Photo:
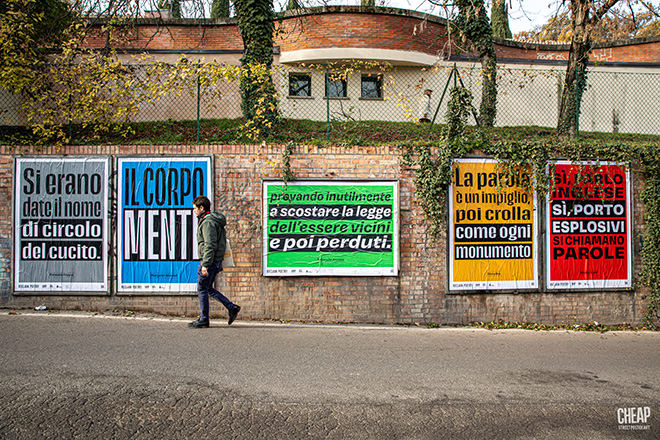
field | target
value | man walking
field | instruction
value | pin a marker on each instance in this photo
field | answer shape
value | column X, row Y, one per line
column 212, row 243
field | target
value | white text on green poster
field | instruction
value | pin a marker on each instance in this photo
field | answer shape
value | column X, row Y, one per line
column 330, row 228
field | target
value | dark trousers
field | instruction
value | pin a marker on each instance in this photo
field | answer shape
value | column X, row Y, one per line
column 205, row 290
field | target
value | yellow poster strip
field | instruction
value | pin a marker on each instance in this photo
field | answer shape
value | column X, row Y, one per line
column 492, row 228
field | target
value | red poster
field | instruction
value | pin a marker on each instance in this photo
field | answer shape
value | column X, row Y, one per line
column 588, row 227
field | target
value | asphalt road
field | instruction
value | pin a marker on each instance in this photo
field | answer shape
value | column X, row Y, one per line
column 85, row 376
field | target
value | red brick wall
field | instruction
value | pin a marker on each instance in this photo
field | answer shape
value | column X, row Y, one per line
column 418, row 294
column 353, row 27
column 631, row 51
column 356, row 30
column 170, row 37
column 362, row 30
column 640, row 53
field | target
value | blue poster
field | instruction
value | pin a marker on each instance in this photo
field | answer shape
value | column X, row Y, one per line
column 156, row 228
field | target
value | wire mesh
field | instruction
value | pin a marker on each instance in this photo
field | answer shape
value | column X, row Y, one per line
column 614, row 102
column 621, row 102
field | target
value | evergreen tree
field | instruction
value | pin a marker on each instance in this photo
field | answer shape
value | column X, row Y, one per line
column 293, row 4
column 499, row 19
column 220, row 9
column 176, row 8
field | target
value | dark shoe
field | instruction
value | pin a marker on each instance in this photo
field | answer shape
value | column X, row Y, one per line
column 199, row 324
column 233, row 313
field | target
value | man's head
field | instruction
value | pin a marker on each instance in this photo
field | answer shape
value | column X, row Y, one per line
column 428, row 92
column 201, row 205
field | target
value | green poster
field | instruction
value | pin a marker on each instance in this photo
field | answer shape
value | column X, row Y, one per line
column 331, row 228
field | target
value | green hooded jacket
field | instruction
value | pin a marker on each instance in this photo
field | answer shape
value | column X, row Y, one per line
column 211, row 238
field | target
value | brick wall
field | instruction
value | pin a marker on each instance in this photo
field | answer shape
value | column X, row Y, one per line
column 418, row 294
column 352, row 27
column 362, row 30
column 174, row 36
column 640, row 50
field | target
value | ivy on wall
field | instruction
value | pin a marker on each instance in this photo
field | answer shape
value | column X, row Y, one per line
column 287, row 175
column 473, row 26
column 650, row 276
column 431, row 165
column 259, row 100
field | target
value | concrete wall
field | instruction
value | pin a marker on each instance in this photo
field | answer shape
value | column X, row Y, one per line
column 418, row 294
column 621, row 99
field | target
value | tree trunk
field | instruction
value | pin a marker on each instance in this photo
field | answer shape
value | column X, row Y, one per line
column 472, row 22
column 488, row 107
column 585, row 14
column 258, row 98
column 220, row 9
column 567, row 125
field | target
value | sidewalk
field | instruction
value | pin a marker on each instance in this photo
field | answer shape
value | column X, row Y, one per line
column 87, row 375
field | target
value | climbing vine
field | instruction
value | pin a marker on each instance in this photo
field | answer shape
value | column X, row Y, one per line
column 650, row 275
column 433, row 175
column 473, row 26
column 259, row 99
column 458, row 111
column 287, row 174
column 431, row 165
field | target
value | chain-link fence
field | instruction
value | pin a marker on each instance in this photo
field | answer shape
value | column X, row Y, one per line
column 613, row 102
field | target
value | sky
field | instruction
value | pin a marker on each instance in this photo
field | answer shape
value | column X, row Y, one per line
column 523, row 14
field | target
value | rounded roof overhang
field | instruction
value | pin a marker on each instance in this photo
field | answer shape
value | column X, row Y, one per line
column 346, row 54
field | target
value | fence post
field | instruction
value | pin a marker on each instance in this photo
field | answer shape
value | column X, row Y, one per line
column 442, row 97
column 327, row 99
column 454, row 74
column 198, row 99
column 578, row 100
column 70, row 101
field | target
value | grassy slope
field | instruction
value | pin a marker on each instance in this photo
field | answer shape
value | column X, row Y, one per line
column 225, row 131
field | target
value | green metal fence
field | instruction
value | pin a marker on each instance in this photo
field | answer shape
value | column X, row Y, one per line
column 615, row 100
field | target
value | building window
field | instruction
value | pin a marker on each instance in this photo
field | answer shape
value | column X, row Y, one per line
column 335, row 88
column 372, row 86
column 300, row 84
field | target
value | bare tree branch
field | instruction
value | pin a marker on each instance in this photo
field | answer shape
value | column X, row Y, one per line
column 600, row 12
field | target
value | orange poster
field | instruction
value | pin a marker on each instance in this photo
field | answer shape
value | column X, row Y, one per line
column 492, row 228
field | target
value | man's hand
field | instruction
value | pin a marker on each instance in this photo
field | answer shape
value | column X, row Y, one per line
column 205, row 271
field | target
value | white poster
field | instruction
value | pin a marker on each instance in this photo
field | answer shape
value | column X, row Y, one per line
column 61, row 225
